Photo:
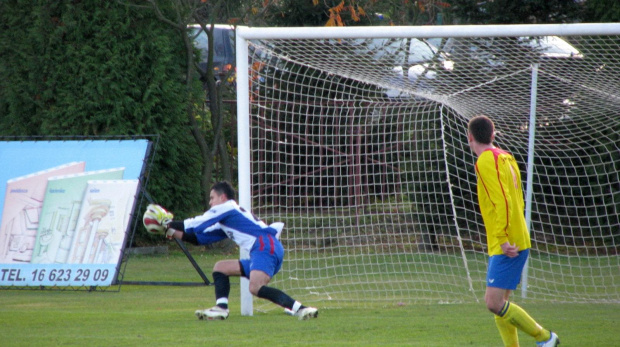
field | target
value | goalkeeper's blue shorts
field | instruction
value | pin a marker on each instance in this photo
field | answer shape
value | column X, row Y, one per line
column 504, row 272
column 266, row 256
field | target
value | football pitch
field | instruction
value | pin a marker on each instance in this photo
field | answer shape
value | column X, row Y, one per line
column 147, row 315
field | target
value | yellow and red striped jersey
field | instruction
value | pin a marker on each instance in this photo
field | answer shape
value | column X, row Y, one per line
column 501, row 200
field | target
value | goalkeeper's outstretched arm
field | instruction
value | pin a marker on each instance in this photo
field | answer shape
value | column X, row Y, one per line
column 158, row 220
column 176, row 229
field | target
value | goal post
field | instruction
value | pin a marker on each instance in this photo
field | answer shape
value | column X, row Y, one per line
column 355, row 138
column 244, row 161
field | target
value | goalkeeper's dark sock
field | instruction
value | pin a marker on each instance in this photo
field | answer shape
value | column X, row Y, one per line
column 276, row 296
column 222, row 289
column 222, row 303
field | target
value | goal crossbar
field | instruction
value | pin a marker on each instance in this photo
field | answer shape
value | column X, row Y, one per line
column 254, row 33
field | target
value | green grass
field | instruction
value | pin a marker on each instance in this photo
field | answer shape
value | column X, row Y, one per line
column 140, row 315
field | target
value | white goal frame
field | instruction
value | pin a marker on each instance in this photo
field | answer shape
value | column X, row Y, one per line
column 245, row 34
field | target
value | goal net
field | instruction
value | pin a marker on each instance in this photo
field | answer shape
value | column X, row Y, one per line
column 356, row 138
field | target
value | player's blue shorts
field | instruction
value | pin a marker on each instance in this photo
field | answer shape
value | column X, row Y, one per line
column 266, row 256
column 505, row 272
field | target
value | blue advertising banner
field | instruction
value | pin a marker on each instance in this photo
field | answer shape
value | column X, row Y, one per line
column 66, row 210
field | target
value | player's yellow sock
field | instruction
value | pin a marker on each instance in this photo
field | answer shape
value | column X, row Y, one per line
column 507, row 331
column 517, row 316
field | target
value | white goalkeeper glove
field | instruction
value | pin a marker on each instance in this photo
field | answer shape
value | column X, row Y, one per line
column 156, row 220
column 170, row 233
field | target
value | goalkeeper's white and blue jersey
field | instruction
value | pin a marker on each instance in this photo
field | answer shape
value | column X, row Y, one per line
column 232, row 221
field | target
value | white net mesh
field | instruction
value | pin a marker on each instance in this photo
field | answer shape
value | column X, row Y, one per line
column 359, row 146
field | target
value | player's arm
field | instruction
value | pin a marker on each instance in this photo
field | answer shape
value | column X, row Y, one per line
column 209, row 221
column 158, row 220
column 510, row 250
column 179, row 225
column 177, row 230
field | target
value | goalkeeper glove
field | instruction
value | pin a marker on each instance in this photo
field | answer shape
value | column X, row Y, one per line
column 170, row 233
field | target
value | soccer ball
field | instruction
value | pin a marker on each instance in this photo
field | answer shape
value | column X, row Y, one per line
column 151, row 224
column 156, row 218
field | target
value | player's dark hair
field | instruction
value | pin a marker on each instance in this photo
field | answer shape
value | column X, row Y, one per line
column 224, row 187
column 482, row 129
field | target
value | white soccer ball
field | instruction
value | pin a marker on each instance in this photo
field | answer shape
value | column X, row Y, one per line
column 151, row 224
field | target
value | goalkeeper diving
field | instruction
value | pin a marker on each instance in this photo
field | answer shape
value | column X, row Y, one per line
column 226, row 219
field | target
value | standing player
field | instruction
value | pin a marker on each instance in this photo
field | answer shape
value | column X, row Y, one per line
column 508, row 240
column 227, row 219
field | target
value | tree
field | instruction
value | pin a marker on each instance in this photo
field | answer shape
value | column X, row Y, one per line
column 97, row 69
column 514, row 11
column 208, row 134
column 602, row 11
column 88, row 69
column 354, row 12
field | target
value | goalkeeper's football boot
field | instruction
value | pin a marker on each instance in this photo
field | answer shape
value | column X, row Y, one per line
column 307, row 313
column 213, row 313
column 553, row 341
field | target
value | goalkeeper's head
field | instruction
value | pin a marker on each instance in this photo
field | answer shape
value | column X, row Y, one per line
column 221, row 192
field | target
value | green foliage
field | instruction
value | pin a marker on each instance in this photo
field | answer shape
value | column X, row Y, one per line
column 602, row 11
column 300, row 13
column 515, row 11
column 353, row 13
column 95, row 68
column 20, row 64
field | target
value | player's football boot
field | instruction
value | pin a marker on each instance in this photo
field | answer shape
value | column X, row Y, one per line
column 307, row 313
column 213, row 313
column 553, row 341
